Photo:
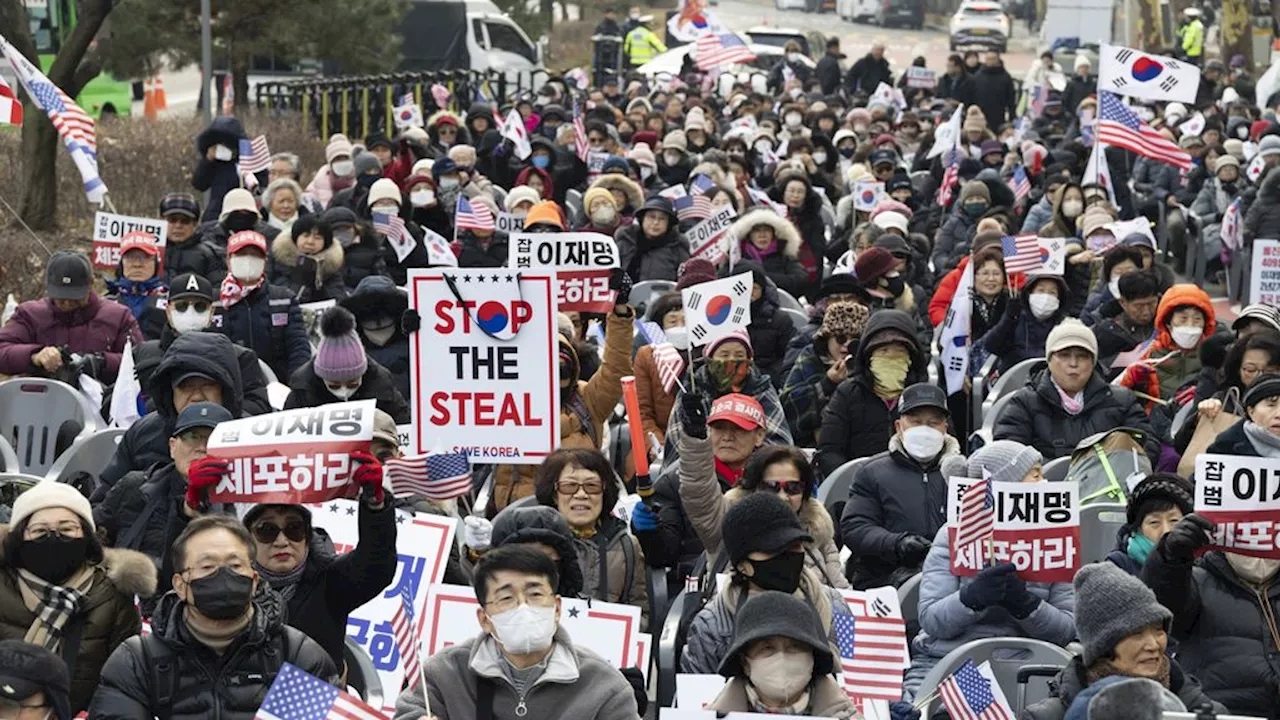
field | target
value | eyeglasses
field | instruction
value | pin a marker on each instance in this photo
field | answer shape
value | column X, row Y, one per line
column 15, row 709
column 510, row 600
column 66, row 530
column 569, row 488
column 200, row 306
column 268, row 532
column 790, row 487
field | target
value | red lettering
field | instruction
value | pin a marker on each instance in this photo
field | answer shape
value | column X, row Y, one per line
column 484, row 409
column 521, row 313
column 440, row 414
column 515, row 410
column 446, row 320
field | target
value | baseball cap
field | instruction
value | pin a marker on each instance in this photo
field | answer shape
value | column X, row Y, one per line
column 201, row 415
column 139, row 240
column 741, row 410
column 27, row 669
column 384, row 428
column 191, row 285
column 67, row 277
column 884, row 157
column 244, row 239
column 923, row 395
column 190, row 375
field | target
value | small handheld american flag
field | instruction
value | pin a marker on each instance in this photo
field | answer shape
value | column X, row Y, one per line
column 580, row 133
column 1021, row 184
column 473, row 217
column 1117, row 125
column 255, row 156
column 1021, row 253
column 949, row 177
column 970, row 695
column 669, row 362
column 439, row 476
column 406, row 634
column 297, row 695
column 976, row 519
column 724, row 49
column 873, row 649
column 391, row 227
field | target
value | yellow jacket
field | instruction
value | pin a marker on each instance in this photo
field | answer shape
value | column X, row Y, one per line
column 1192, row 36
column 641, row 45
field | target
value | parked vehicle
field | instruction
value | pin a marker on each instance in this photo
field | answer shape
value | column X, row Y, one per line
column 981, row 23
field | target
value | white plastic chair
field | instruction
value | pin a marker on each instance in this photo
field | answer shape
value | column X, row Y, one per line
column 7, row 456
column 1006, row 655
column 89, row 453
column 361, row 674
column 1099, row 525
column 834, row 491
column 787, row 301
column 31, row 412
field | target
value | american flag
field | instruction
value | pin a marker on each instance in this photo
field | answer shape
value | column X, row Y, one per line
column 439, row 476
column 10, row 108
column 296, row 695
column 970, row 695
column 406, row 637
column 391, row 226
column 670, row 364
column 580, row 132
column 74, row 126
column 407, row 99
column 473, row 217
column 255, row 156
column 228, row 94
column 650, row 331
column 872, row 652
column 949, row 177
column 1118, row 126
column 976, row 519
column 1021, row 185
column 1021, row 253
column 724, row 49
column 699, row 186
column 692, row 207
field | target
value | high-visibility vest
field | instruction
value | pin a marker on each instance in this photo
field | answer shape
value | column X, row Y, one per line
column 642, row 45
column 1192, row 35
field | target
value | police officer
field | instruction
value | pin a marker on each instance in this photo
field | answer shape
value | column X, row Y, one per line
column 642, row 44
column 1191, row 36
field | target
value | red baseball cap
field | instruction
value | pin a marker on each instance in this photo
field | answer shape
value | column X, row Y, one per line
column 244, row 239
column 139, row 240
column 741, row 410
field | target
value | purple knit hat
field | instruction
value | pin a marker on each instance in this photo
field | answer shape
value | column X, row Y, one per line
column 341, row 354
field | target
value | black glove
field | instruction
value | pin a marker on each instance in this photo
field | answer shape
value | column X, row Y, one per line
column 636, row 679
column 694, row 414
column 305, row 271
column 619, row 280
column 899, row 710
column 410, row 321
column 91, row 364
column 912, row 549
column 1018, row 600
column 988, row 588
column 1189, row 535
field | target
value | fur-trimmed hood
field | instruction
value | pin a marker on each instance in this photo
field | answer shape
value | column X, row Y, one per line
column 813, row 516
column 716, row 173
column 131, row 572
column 786, row 233
column 625, row 185
column 285, row 251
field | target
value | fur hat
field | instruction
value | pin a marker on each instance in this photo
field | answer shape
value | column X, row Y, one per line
column 843, row 319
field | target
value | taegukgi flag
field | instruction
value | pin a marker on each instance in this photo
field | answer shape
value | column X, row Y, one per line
column 717, row 308
column 1125, row 71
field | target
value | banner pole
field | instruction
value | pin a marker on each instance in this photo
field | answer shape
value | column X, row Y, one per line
column 25, row 226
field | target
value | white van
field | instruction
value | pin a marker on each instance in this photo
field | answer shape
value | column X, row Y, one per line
column 471, row 35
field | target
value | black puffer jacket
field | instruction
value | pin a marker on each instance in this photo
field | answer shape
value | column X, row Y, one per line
column 219, row 177
column 306, row 389
column 1034, row 416
column 646, row 259
column 269, row 321
column 1263, row 218
column 771, row 329
column 1071, row 682
column 856, row 422
column 195, row 255
column 541, row 524
column 202, row 683
column 364, row 257
column 378, row 299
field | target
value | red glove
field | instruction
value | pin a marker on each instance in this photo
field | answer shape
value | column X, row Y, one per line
column 1185, row 395
column 368, row 475
column 202, row 476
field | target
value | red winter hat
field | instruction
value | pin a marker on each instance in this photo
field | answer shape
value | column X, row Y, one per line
column 139, row 240
column 871, row 265
column 693, row 271
column 244, row 239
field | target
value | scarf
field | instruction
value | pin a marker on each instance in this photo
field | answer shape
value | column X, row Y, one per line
column 1073, row 404
column 1267, row 445
column 750, row 250
column 1102, row 668
column 285, row 584
column 233, row 291
column 216, row 634
column 133, row 294
column 1139, row 548
column 731, row 476
column 53, row 605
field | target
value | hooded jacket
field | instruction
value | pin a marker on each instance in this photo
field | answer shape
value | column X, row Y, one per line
column 101, row 326
column 306, row 389
column 1035, row 417
column 651, row 259
column 628, row 187
column 312, row 278
column 204, row 684
column 779, row 261
column 1176, row 366
column 856, row 422
column 105, row 617
column 382, row 299
column 253, row 382
column 771, row 328
column 218, row 177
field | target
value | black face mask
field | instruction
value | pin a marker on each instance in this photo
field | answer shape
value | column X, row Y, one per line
column 53, row 558
column 224, row 595
column 367, row 180
column 781, row 572
column 237, row 221
column 847, row 151
column 895, row 285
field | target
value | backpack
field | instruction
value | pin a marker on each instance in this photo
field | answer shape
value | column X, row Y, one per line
column 163, row 666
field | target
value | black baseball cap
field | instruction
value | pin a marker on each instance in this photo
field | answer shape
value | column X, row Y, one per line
column 68, row 277
column 923, row 395
column 201, row 415
column 191, row 285
column 884, row 157
column 27, row 669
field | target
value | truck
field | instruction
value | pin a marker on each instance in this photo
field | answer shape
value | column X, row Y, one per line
column 468, row 35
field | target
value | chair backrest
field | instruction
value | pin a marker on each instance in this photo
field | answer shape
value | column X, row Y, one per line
column 798, row 317
column 1099, row 525
column 32, row 414
column 834, row 491
column 618, row 445
column 1056, row 470
column 361, row 674
column 7, row 456
column 89, row 453
column 787, row 301
column 1006, row 655
column 669, row 652
column 909, row 600
column 267, row 372
column 989, row 418
column 1010, row 381
column 643, row 293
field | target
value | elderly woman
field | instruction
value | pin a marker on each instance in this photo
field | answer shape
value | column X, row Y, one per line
column 281, row 202
column 820, row 368
column 1156, row 505
column 1251, row 356
column 308, row 261
column 652, row 248
column 60, row 590
column 602, row 212
column 996, row 602
column 582, row 486
column 780, row 662
column 772, row 241
column 1125, row 633
column 341, row 371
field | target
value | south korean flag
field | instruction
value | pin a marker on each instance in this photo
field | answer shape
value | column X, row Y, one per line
column 715, row 309
column 1125, row 71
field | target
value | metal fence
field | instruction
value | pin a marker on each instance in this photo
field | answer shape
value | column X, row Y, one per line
column 363, row 104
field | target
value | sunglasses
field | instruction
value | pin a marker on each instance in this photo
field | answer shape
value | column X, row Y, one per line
column 790, row 487
column 200, row 306
column 267, row 533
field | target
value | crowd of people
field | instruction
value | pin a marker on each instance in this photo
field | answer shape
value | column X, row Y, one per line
column 1123, row 361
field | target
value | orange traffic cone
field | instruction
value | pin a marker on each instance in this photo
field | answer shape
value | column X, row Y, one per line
column 148, row 101
column 157, row 84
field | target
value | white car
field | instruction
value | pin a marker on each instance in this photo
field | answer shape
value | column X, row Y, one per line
column 982, row 23
column 791, row 4
column 670, row 62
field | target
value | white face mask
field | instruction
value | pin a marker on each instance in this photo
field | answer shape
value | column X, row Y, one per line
column 1114, row 288
column 603, row 216
column 646, row 172
column 380, row 336
column 793, row 57
column 819, row 157
column 679, row 337
column 448, row 183
column 1072, row 208
column 1253, row 570
column 1043, row 305
column 421, row 198
column 763, row 146
column 922, row 442
column 781, row 676
column 343, row 168
column 247, row 268
column 343, row 392
column 1186, row 337
column 223, row 153
column 525, row 629
column 793, row 119
column 671, row 158
column 389, row 208
column 191, row 320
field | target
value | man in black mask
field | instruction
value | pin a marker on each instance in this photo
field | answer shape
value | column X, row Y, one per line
column 215, row 617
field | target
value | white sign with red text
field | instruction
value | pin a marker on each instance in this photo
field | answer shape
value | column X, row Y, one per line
column 1037, row 528
column 710, row 238
column 1241, row 495
column 583, row 262
column 109, row 228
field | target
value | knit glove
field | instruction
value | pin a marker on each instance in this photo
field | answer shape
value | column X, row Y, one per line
column 694, row 414
column 202, row 476
column 477, row 533
column 912, row 549
column 1189, row 535
column 620, row 281
column 988, row 588
column 643, row 519
column 368, row 476
column 1018, row 600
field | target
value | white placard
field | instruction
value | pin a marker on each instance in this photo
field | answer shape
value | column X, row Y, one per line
column 710, row 238
column 695, row 691
column 1264, row 283
column 109, row 228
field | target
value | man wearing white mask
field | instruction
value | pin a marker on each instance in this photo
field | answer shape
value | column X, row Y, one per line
column 341, row 371
column 898, row 499
column 523, row 664
column 259, row 316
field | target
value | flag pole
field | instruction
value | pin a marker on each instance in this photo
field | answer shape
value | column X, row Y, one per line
column 106, row 200
column 25, row 226
column 422, row 676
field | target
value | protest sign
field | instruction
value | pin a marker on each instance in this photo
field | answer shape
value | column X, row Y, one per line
column 1241, row 495
column 508, row 223
column 1264, row 282
column 611, row 630
column 583, row 262
column 918, row 77
column 673, row 193
column 695, row 691
column 1037, row 528
column 292, row 456
column 486, row 378
column 109, row 228
column 423, row 543
column 710, row 238
column 866, row 193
